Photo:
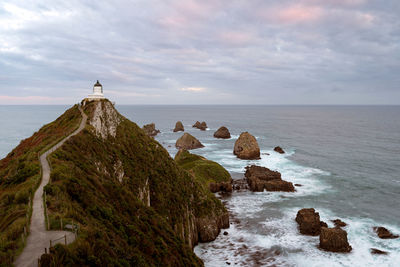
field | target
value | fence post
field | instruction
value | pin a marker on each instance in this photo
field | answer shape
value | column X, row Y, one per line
column 65, row 237
column 50, row 243
column 61, row 224
column 45, row 250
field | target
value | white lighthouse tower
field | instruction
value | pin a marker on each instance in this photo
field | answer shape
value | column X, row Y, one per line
column 97, row 92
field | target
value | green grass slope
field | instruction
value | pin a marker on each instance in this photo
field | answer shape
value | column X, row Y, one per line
column 20, row 175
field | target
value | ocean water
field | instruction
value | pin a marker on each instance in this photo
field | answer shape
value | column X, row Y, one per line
column 346, row 157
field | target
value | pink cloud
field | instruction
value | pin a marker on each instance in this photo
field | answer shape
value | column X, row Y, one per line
column 291, row 14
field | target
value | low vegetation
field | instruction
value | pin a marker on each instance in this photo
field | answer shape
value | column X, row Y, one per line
column 20, row 174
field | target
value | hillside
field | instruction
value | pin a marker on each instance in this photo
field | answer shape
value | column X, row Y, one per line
column 133, row 204
column 19, row 178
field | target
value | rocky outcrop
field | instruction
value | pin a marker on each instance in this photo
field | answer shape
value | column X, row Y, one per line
column 309, row 222
column 150, row 129
column 240, row 184
column 225, row 187
column 188, row 141
column 334, row 240
column 339, row 223
column 384, row 233
column 209, row 227
column 279, row 150
column 246, row 147
column 223, row 133
column 202, row 126
column 179, row 127
column 260, row 178
column 105, row 119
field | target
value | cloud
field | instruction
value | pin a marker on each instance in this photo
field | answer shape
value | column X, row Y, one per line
column 151, row 51
column 193, row 89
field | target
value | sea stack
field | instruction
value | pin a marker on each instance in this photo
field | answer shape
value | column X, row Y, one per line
column 179, row 127
column 188, row 141
column 246, row 147
column 150, row 129
column 222, row 133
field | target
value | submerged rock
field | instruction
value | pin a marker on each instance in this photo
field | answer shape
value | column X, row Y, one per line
column 334, row 240
column 309, row 222
column 179, row 127
column 188, row 141
column 260, row 178
column 384, row 233
column 223, row 133
column 279, row 150
column 376, row 251
column 246, row 147
column 150, row 129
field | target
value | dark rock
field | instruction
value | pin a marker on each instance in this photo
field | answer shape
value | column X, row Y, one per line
column 279, row 150
column 222, row 132
column 298, row 185
column 384, row 233
column 202, row 126
column 150, row 129
column 246, row 147
column 334, row 240
column 225, row 233
column 376, row 251
column 210, row 226
column 309, row 222
column 220, row 187
column 260, row 178
column 179, row 127
column 339, row 223
column 188, row 141
column 279, row 185
column 323, row 224
column 240, row 184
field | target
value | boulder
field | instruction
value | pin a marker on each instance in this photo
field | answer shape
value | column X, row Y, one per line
column 279, row 150
column 376, row 251
column 334, row 240
column 188, row 141
column 246, row 147
column 339, row 223
column 179, row 127
column 260, row 178
column 202, row 126
column 309, row 222
column 323, row 224
column 196, row 125
column 223, row 133
column 384, row 233
column 150, row 129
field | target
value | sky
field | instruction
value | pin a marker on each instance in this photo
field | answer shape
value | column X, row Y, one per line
column 201, row 51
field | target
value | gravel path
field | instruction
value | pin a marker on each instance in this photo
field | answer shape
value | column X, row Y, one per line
column 39, row 238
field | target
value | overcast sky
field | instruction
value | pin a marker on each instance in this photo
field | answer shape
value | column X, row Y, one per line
column 201, row 51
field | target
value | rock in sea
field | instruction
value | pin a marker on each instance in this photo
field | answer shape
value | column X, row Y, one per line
column 179, row 127
column 188, row 141
column 223, row 133
column 246, row 147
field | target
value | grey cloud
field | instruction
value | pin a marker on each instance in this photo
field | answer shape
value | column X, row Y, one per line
column 263, row 52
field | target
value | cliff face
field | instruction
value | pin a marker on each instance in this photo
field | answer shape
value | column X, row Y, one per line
column 133, row 204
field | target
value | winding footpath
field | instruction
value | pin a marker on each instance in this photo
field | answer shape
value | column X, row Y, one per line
column 39, row 238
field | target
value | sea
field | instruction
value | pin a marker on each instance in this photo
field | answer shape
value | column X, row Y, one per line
column 347, row 159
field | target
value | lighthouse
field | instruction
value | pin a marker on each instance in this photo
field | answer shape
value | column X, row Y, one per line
column 97, row 92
